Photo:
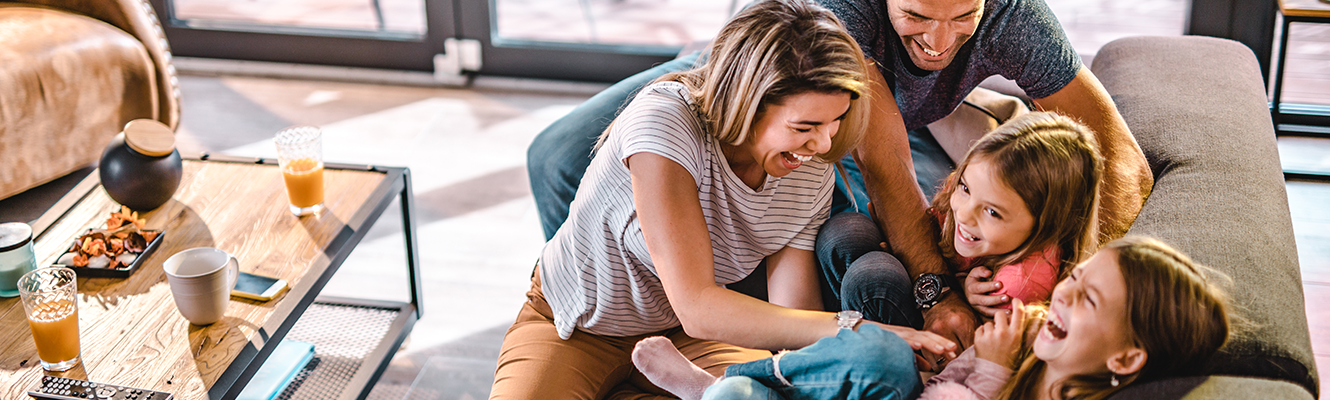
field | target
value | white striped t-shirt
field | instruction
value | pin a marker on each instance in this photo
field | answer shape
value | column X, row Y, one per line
column 596, row 272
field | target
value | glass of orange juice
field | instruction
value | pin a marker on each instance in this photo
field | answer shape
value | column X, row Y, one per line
column 52, row 309
column 300, row 155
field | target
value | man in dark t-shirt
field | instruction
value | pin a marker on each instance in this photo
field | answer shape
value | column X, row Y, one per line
column 1016, row 39
column 929, row 55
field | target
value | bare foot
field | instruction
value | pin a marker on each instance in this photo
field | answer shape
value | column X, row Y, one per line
column 666, row 367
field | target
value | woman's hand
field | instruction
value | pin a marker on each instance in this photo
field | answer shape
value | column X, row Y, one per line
column 978, row 289
column 1000, row 339
column 925, row 341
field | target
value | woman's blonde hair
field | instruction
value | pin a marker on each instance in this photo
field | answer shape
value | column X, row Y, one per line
column 772, row 50
column 1175, row 312
column 1053, row 163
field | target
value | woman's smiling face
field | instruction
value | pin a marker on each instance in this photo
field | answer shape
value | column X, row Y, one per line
column 788, row 134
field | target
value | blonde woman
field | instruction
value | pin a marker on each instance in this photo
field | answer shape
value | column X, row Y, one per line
column 705, row 174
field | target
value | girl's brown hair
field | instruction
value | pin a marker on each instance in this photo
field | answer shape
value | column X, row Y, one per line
column 771, row 50
column 1175, row 312
column 1053, row 164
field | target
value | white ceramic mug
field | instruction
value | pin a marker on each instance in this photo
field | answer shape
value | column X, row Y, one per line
column 201, row 280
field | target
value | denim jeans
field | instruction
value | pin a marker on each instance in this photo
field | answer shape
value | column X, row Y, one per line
column 560, row 154
column 858, row 274
column 870, row 363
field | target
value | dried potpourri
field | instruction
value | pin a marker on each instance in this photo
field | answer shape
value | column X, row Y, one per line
column 115, row 247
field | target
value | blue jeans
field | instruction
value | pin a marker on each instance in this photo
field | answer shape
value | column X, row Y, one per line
column 858, row 274
column 560, row 154
column 870, row 363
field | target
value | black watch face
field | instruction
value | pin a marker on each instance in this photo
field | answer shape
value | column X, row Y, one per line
column 928, row 288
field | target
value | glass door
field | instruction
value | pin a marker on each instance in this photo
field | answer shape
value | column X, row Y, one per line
column 389, row 34
column 582, row 40
column 587, row 40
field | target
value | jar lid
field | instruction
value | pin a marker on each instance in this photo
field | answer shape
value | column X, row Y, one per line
column 14, row 235
column 149, row 137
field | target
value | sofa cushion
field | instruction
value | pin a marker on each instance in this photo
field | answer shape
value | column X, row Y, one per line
column 1198, row 108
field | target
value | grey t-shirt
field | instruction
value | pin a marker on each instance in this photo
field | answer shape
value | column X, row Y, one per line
column 1020, row 40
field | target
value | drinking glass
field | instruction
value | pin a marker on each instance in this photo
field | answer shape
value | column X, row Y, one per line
column 52, row 308
column 300, row 155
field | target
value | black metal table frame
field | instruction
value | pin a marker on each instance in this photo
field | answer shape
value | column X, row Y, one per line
column 287, row 313
column 1297, row 119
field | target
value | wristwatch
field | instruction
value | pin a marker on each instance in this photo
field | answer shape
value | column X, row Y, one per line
column 929, row 289
column 848, row 319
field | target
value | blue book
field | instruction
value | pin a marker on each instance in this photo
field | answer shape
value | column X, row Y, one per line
column 278, row 371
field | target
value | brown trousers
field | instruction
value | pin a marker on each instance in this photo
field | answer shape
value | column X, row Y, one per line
column 535, row 363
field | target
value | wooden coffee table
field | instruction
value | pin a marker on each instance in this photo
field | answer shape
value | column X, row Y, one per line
column 132, row 334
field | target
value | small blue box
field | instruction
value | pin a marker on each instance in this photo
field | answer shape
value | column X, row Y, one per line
column 278, row 371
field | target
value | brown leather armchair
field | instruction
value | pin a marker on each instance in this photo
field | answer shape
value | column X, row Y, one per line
column 72, row 73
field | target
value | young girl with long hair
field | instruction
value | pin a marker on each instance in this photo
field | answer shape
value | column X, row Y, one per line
column 1023, row 203
column 1137, row 310
column 1044, row 162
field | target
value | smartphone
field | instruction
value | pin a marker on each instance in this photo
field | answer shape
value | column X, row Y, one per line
column 258, row 287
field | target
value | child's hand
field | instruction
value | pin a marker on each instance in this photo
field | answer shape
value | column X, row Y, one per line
column 999, row 340
column 978, row 288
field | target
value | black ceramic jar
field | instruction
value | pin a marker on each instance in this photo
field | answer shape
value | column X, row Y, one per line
column 141, row 168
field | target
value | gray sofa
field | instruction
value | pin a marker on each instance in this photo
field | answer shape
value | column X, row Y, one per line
column 1198, row 108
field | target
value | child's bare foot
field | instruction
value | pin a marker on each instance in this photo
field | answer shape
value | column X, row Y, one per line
column 666, row 367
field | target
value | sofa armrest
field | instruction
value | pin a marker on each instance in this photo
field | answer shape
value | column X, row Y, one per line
column 1198, row 108
column 1214, row 387
column 137, row 18
column 70, row 83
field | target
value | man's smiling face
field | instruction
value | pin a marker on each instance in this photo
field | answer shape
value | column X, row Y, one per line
column 933, row 30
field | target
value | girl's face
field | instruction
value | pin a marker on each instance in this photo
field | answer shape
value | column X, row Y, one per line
column 991, row 219
column 1087, row 319
column 787, row 135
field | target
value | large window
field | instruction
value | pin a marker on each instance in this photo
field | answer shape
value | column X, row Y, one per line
column 349, row 17
column 645, row 23
column 1092, row 23
column 388, row 34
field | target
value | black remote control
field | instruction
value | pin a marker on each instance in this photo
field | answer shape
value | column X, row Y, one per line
column 57, row 388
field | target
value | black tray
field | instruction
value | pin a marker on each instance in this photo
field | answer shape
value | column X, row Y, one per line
column 116, row 273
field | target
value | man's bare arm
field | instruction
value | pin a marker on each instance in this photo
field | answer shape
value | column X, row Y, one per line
column 899, row 206
column 1127, row 178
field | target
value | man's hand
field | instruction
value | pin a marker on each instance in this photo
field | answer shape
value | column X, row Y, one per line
column 978, row 289
column 952, row 319
column 999, row 341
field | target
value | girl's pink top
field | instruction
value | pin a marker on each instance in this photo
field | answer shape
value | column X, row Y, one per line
column 1032, row 279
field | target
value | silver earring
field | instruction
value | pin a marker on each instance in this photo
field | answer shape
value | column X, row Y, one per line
column 1114, row 380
